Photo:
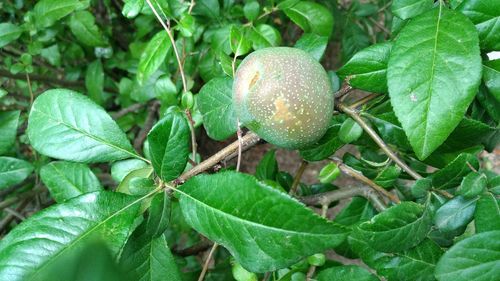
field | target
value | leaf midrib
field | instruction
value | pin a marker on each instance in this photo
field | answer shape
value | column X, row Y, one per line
column 243, row 221
column 88, row 134
column 85, row 234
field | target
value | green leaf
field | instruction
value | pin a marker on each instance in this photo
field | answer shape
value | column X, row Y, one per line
column 350, row 131
column 251, row 10
column 358, row 210
column 132, row 8
column 215, row 102
column 472, row 185
column 153, row 56
column 455, row 214
column 491, row 77
column 264, row 229
column 327, row 145
column 345, row 273
column 47, row 12
column 398, row 228
column 474, row 258
column 59, row 231
column 368, row 68
column 207, row 8
column 314, row 44
column 263, row 36
column 238, row 41
column 66, row 125
column 146, row 258
column 120, row 169
column 311, row 17
column 485, row 14
column 169, row 142
column 8, row 33
column 94, row 81
column 451, row 175
column 487, row 214
column 82, row 24
column 267, row 168
column 329, row 173
column 66, row 180
column 417, row 263
column 158, row 217
column 431, row 84
column 406, row 9
column 13, row 171
column 387, row 176
column 186, row 25
column 124, row 186
column 8, row 129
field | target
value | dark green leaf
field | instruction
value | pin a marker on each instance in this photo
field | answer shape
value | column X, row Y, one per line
column 406, row 9
column 82, row 24
column 8, row 33
column 314, row 44
column 267, row 167
column 368, row 68
column 66, row 180
column 451, row 175
column 8, row 129
column 251, row 10
column 387, row 176
column 207, row 8
column 491, row 77
column 487, row 215
column 153, row 56
column 169, row 142
column 485, row 14
column 132, row 8
column 264, row 229
column 13, row 171
column 66, row 125
column 327, row 145
column 59, row 231
column 94, row 81
column 455, row 214
column 398, row 228
column 472, row 185
column 423, row 74
column 345, row 273
column 215, row 102
column 358, row 210
column 158, row 217
column 47, row 12
column 474, row 258
column 354, row 39
column 311, row 17
column 417, row 263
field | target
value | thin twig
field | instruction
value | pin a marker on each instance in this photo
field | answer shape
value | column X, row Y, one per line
column 207, row 262
column 32, row 97
column 247, row 140
column 124, row 111
column 172, row 41
column 193, row 250
column 148, row 124
column 326, row 198
column 12, row 200
column 354, row 114
column 193, row 133
column 383, row 28
column 191, row 6
column 10, row 217
column 363, row 100
column 239, row 134
column 359, row 176
column 471, row 167
column 298, row 176
column 344, row 90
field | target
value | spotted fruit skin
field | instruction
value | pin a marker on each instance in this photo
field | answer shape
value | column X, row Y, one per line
column 284, row 96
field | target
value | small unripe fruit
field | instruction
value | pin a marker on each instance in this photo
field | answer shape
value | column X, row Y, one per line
column 284, row 96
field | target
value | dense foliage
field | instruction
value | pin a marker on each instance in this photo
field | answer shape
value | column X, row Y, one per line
column 104, row 104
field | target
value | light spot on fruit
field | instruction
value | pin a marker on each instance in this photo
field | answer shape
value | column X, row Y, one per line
column 254, row 80
column 282, row 112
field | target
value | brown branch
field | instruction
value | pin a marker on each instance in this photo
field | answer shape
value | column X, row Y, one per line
column 207, row 262
column 327, row 198
column 10, row 217
column 247, row 140
column 124, row 111
column 148, row 124
column 344, row 90
column 193, row 250
column 298, row 176
column 13, row 200
column 354, row 114
column 359, row 176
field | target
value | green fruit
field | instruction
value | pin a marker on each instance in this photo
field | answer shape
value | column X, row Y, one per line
column 284, row 96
